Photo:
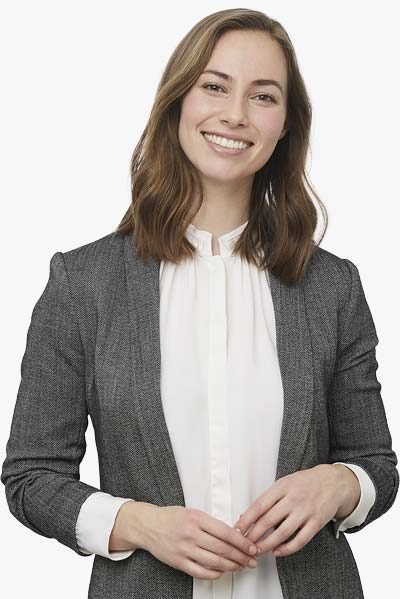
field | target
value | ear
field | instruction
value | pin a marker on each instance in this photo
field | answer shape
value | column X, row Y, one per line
column 285, row 129
column 283, row 133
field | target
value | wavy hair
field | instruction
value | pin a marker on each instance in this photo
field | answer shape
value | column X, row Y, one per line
column 282, row 216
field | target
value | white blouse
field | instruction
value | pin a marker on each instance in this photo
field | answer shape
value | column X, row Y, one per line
column 222, row 398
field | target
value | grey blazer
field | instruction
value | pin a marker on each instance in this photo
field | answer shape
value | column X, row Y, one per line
column 93, row 348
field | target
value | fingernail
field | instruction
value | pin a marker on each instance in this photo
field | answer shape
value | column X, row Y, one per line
column 253, row 549
column 238, row 529
column 253, row 563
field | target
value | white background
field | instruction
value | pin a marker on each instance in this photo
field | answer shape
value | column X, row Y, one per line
column 78, row 81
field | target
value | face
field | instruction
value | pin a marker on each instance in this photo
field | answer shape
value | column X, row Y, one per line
column 237, row 107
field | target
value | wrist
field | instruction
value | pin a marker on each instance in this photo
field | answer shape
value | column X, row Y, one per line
column 349, row 490
column 129, row 526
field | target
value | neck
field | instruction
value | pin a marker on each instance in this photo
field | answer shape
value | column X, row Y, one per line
column 224, row 208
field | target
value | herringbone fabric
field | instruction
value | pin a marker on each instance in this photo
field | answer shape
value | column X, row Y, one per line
column 93, row 350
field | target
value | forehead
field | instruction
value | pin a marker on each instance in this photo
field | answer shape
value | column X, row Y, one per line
column 249, row 55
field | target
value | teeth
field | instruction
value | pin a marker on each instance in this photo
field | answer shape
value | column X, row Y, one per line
column 227, row 143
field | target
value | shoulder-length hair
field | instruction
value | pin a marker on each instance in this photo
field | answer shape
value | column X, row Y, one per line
column 282, row 216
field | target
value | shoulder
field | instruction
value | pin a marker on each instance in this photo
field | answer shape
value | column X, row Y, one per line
column 329, row 264
column 96, row 265
column 95, row 254
column 330, row 276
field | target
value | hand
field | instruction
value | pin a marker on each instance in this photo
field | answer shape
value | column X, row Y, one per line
column 193, row 541
column 304, row 500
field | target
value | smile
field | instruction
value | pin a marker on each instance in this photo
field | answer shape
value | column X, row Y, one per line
column 225, row 142
column 225, row 147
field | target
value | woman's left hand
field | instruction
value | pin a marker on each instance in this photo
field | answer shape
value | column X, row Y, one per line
column 306, row 499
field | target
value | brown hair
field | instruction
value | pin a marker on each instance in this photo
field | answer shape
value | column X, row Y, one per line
column 282, row 216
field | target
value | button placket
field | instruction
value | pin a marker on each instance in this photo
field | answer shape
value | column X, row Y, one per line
column 220, row 468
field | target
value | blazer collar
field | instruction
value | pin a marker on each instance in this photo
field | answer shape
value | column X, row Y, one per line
column 294, row 355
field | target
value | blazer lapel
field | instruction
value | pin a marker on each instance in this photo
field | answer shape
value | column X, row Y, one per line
column 296, row 366
column 143, row 297
column 294, row 355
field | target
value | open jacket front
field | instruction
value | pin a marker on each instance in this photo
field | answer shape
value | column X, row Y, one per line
column 103, row 302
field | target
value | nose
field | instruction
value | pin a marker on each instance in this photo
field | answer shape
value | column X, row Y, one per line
column 234, row 112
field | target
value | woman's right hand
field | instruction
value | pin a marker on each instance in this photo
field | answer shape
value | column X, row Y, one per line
column 193, row 541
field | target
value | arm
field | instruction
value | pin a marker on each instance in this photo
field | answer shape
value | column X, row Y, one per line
column 47, row 437
column 95, row 524
column 358, row 485
column 359, row 432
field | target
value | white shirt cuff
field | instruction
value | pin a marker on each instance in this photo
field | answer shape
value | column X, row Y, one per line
column 367, row 500
column 95, row 522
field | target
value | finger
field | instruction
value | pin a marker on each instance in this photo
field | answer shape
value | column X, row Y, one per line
column 259, row 507
column 197, row 571
column 272, row 518
column 288, row 527
column 218, row 528
column 303, row 537
column 219, row 547
column 215, row 561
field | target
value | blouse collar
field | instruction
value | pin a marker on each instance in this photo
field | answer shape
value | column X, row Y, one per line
column 201, row 239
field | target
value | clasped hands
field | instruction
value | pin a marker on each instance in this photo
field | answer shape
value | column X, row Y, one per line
column 303, row 501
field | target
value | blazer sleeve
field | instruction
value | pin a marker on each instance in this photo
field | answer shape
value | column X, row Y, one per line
column 359, row 432
column 366, row 501
column 95, row 524
column 47, row 436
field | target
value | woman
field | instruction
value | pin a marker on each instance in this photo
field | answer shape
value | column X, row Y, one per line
column 226, row 360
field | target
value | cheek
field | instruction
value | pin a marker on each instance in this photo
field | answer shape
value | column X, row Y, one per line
column 195, row 109
column 271, row 127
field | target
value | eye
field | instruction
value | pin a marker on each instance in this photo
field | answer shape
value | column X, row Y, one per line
column 267, row 96
column 207, row 85
column 271, row 98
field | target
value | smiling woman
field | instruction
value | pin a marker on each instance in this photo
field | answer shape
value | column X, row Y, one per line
column 233, row 80
column 226, row 360
column 249, row 62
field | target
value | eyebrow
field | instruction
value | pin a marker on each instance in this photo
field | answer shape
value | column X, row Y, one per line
column 255, row 82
